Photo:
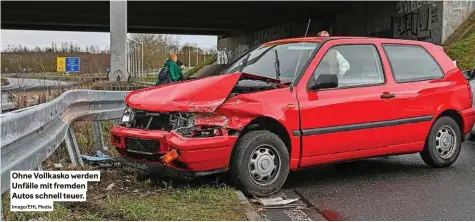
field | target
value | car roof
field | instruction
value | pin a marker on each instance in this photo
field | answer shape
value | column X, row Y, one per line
column 321, row 39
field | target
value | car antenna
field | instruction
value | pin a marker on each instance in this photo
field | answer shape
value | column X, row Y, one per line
column 300, row 55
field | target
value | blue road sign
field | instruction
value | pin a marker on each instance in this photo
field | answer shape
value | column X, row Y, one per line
column 72, row 64
column 108, row 69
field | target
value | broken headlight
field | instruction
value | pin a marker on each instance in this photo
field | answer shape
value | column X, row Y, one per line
column 199, row 124
column 127, row 116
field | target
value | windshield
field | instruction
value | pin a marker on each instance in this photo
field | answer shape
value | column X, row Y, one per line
column 261, row 61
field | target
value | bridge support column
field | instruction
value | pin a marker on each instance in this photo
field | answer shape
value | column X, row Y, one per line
column 118, row 41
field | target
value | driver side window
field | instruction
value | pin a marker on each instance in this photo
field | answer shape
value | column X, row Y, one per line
column 354, row 65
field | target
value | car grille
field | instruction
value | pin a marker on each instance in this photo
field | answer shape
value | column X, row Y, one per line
column 143, row 146
column 159, row 121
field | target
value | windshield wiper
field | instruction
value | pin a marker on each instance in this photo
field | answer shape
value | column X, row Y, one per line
column 277, row 65
column 244, row 62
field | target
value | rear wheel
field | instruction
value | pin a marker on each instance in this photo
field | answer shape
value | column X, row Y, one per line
column 443, row 144
column 260, row 163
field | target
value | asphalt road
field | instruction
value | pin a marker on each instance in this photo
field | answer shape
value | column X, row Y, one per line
column 392, row 188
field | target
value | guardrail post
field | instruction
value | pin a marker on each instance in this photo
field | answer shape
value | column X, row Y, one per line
column 73, row 148
column 97, row 134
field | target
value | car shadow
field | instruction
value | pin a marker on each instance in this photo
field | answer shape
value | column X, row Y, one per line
column 365, row 169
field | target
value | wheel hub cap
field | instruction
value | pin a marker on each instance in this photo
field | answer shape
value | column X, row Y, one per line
column 264, row 164
column 445, row 142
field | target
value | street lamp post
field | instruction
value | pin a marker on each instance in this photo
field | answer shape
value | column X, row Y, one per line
column 136, row 64
column 197, row 51
column 137, row 60
column 189, row 58
column 142, row 61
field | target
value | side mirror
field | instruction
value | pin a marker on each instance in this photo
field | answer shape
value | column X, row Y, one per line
column 324, row 81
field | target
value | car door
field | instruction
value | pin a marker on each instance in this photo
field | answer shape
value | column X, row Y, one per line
column 336, row 123
column 419, row 91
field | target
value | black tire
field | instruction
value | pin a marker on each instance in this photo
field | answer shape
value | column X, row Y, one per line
column 240, row 167
column 431, row 155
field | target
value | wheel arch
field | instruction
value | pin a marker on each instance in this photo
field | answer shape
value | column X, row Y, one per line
column 455, row 116
column 270, row 124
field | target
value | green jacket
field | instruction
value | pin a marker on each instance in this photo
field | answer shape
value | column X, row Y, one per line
column 174, row 69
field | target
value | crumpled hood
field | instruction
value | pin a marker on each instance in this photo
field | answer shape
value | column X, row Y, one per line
column 201, row 95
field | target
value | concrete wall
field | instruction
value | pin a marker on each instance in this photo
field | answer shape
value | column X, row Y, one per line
column 363, row 19
column 366, row 19
column 241, row 42
column 431, row 21
column 455, row 14
column 419, row 20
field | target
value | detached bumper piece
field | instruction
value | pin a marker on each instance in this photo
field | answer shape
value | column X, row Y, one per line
column 167, row 171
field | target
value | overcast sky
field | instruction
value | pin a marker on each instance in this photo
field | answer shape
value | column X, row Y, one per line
column 31, row 39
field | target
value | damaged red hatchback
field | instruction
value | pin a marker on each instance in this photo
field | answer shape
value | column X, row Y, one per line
column 301, row 102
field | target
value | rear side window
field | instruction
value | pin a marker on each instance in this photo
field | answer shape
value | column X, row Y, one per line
column 412, row 63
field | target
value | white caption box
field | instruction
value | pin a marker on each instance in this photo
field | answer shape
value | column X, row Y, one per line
column 37, row 190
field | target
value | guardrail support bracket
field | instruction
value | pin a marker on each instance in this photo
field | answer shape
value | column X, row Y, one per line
column 97, row 134
column 73, row 148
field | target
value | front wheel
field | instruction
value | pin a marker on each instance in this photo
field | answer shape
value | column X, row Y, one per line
column 443, row 144
column 260, row 163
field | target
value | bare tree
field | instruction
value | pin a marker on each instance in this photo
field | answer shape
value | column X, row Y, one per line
column 156, row 48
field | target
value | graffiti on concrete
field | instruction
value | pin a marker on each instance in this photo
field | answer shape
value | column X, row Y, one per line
column 222, row 57
column 404, row 7
column 455, row 14
column 273, row 33
column 236, row 52
column 235, row 46
column 423, row 24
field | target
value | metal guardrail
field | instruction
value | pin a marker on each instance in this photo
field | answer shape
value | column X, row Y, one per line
column 30, row 135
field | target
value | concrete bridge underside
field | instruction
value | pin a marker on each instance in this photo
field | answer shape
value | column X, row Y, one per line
column 239, row 25
column 175, row 17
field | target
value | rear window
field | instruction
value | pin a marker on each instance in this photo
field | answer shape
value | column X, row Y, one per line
column 412, row 63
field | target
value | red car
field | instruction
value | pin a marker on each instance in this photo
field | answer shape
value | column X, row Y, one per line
column 301, row 102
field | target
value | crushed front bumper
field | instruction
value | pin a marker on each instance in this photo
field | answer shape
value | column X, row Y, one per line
column 167, row 171
column 197, row 156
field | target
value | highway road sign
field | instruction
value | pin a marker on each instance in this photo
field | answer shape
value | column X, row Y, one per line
column 60, row 64
column 72, row 64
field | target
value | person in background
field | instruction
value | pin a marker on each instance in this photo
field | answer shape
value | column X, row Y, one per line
column 323, row 34
column 173, row 71
column 335, row 58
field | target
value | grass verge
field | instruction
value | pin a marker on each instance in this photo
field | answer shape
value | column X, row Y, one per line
column 463, row 51
column 131, row 199
column 208, row 61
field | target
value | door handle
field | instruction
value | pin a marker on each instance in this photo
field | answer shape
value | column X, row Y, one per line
column 387, row 95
